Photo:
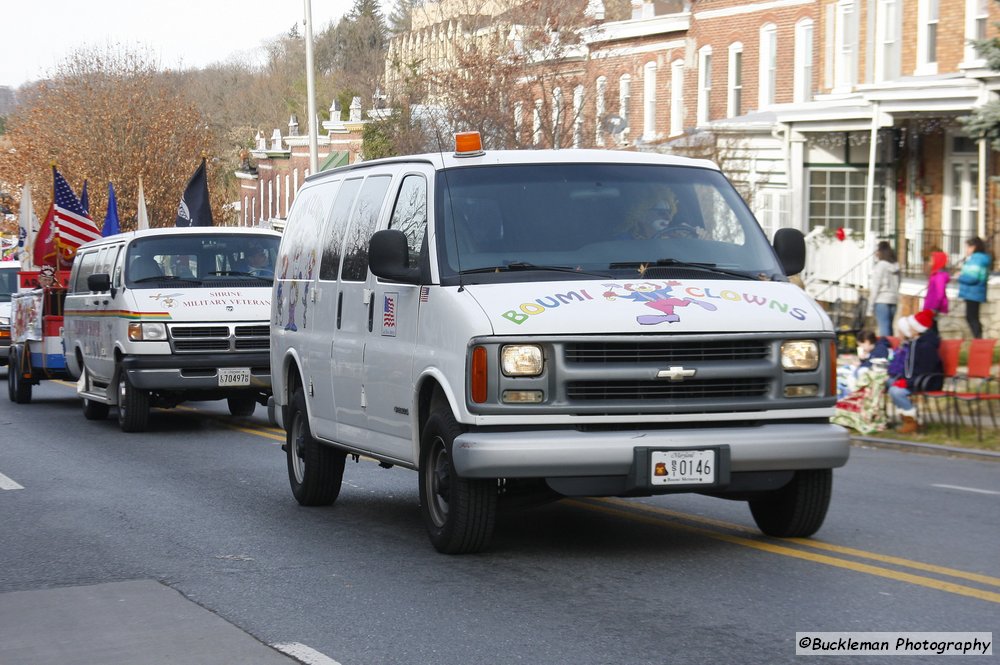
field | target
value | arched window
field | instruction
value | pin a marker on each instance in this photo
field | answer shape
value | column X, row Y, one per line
column 768, row 66
column 649, row 101
column 676, row 97
column 802, row 82
column 602, row 90
column 624, row 103
column 704, row 84
column 734, row 101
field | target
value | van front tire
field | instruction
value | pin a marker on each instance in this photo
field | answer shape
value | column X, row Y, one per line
column 459, row 512
column 798, row 509
column 133, row 405
column 315, row 471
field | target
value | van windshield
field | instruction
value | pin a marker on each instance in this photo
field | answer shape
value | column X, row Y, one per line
column 8, row 283
column 208, row 260
column 548, row 221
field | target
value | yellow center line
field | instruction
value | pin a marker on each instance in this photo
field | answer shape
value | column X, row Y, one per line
column 950, row 587
column 816, row 544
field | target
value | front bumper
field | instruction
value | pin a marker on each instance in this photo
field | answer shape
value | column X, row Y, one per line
column 571, row 453
column 196, row 372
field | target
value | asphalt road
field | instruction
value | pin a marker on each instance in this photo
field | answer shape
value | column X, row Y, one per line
column 200, row 504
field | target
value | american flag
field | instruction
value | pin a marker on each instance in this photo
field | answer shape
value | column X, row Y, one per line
column 74, row 226
column 389, row 311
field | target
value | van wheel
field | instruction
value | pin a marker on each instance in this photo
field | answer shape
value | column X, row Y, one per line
column 242, row 406
column 92, row 410
column 798, row 509
column 18, row 389
column 315, row 470
column 133, row 405
column 459, row 512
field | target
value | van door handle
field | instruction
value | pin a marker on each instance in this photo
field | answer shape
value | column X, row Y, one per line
column 340, row 307
column 371, row 313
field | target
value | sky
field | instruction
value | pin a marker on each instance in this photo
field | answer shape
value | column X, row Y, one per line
column 37, row 35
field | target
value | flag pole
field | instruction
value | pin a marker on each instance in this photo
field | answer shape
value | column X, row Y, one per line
column 311, row 92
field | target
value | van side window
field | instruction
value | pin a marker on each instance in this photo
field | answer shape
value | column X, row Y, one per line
column 339, row 216
column 300, row 237
column 363, row 221
column 410, row 214
column 88, row 262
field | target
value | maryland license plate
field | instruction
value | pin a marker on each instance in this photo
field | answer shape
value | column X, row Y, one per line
column 234, row 376
column 683, row 467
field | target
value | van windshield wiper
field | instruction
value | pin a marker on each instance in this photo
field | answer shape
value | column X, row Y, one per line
column 697, row 265
column 522, row 265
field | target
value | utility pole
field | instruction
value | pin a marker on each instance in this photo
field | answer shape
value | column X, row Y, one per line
column 311, row 92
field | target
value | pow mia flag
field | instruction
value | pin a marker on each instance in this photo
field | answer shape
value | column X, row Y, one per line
column 194, row 209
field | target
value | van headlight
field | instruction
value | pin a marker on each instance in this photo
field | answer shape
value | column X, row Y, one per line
column 800, row 355
column 521, row 360
column 147, row 332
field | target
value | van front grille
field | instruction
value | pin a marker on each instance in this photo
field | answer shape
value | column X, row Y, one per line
column 651, row 391
column 216, row 338
column 665, row 351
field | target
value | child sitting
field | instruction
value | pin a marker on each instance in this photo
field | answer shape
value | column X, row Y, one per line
column 871, row 347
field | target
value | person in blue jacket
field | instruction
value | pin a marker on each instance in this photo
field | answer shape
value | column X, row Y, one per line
column 972, row 282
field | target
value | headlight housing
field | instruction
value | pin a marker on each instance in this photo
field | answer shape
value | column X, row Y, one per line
column 147, row 332
column 800, row 355
column 521, row 360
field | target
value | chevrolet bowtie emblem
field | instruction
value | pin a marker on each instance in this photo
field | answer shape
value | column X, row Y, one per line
column 675, row 373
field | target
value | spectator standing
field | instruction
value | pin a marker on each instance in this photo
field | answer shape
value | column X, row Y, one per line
column 972, row 282
column 884, row 292
column 916, row 365
column 936, row 299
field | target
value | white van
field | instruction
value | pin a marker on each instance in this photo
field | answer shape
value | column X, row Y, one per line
column 8, row 287
column 515, row 325
column 158, row 317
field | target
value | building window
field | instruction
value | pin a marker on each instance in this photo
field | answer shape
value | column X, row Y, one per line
column 602, row 91
column 624, row 103
column 927, row 34
column 649, row 101
column 803, row 76
column 578, row 116
column 704, row 84
column 977, row 21
column 557, row 117
column 887, row 31
column 845, row 66
column 768, row 67
column 734, row 105
column 676, row 97
column 837, row 199
column 536, row 123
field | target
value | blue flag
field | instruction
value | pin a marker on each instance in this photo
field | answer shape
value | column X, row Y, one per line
column 111, row 226
column 195, row 209
column 84, row 199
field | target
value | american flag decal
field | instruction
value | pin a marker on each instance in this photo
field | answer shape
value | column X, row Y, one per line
column 389, row 314
column 425, row 292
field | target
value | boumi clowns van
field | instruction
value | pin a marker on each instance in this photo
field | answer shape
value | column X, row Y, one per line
column 158, row 317
column 516, row 325
column 8, row 287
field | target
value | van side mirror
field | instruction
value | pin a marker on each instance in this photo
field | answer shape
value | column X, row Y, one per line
column 389, row 257
column 99, row 281
column 790, row 246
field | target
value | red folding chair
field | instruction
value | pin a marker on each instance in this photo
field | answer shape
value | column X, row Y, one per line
column 978, row 382
column 949, row 351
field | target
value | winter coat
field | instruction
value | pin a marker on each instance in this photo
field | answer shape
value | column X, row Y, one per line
column 936, row 298
column 972, row 279
column 918, row 363
column 884, row 285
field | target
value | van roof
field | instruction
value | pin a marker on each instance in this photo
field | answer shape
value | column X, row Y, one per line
column 446, row 160
column 128, row 236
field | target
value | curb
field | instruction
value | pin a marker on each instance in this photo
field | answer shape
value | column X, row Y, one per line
column 930, row 448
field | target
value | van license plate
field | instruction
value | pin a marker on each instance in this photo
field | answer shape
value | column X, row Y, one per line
column 683, row 467
column 234, row 376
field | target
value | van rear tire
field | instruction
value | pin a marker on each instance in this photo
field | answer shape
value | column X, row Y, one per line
column 798, row 509
column 315, row 470
column 133, row 405
column 459, row 513
column 241, row 406
column 18, row 389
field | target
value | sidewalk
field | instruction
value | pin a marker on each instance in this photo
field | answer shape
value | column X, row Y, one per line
column 930, row 448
